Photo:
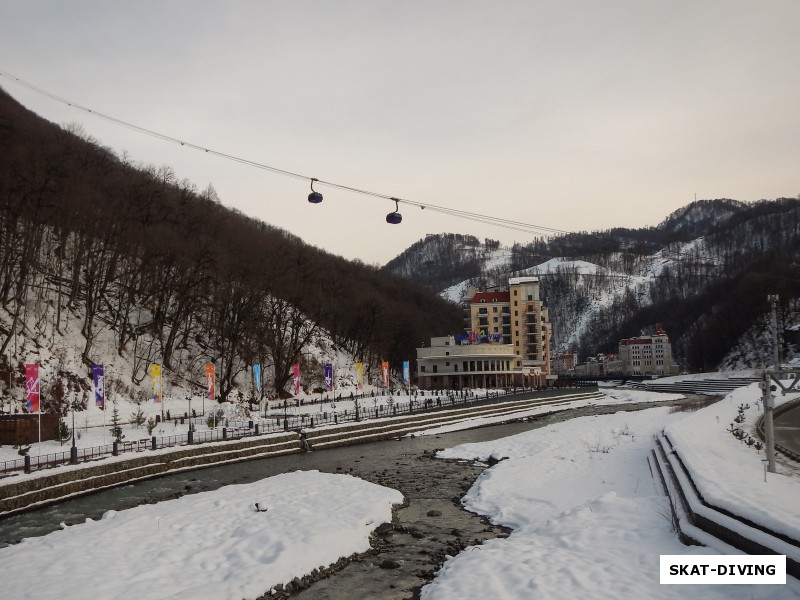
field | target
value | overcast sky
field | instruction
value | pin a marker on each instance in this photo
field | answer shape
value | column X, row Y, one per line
column 574, row 115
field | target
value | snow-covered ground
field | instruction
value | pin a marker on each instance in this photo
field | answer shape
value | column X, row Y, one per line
column 586, row 517
column 587, row 521
column 93, row 426
column 212, row 545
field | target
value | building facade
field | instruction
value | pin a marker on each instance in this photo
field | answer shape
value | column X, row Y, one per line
column 507, row 342
column 564, row 363
column 520, row 319
column 446, row 364
column 648, row 355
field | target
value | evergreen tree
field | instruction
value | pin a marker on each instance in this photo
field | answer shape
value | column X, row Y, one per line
column 116, row 428
column 63, row 432
column 137, row 418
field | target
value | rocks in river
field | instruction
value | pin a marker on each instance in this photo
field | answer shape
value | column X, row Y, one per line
column 387, row 563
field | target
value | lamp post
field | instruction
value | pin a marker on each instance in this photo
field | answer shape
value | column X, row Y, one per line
column 73, row 451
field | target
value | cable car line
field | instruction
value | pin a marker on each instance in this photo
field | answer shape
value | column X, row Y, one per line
column 314, row 197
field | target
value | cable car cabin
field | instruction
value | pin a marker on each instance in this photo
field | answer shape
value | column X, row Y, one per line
column 394, row 218
column 314, row 197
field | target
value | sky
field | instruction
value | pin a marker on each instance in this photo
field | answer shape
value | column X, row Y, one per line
column 575, row 116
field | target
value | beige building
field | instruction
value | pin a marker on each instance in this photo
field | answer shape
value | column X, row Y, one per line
column 647, row 355
column 507, row 342
column 518, row 316
column 446, row 364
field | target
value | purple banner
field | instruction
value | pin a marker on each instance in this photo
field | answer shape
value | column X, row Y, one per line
column 98, row 378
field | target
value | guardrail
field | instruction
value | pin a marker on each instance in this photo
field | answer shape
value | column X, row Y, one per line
column 775, row 413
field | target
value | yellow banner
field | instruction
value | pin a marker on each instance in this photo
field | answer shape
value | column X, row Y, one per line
column 155, row 375
column 360, row 375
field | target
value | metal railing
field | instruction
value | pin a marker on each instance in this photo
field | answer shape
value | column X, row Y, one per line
column 237, row 429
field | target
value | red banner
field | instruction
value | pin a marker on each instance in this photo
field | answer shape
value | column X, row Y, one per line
column 296, row 375
column 210, row 381
column 32, row 387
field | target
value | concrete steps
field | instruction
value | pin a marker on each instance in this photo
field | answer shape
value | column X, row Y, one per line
column 371, row 431
column 709, row 387
column 699, row 522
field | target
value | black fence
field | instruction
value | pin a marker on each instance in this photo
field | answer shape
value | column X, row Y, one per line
column 280, row 420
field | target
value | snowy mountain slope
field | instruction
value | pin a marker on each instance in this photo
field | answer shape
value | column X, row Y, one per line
column 703, row 274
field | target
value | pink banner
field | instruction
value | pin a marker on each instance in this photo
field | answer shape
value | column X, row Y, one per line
column 296, row 375
column 210, row 381
column 32, row 387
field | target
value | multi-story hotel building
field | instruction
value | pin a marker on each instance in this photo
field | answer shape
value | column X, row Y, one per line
column 650, row 354
column 519, row 316
column 515, row 329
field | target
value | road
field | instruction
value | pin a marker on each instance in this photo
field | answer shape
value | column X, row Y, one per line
column 787, row 430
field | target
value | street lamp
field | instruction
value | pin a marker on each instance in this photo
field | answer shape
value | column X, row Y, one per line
column 73, row 452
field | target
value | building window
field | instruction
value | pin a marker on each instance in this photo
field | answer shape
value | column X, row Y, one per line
column 422, row 369
column 494, row 309
column 435, row 368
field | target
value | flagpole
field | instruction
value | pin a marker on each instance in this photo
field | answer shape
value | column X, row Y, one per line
column 40, row 419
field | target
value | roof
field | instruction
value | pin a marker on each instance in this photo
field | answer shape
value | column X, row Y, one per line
column 522, row 280
column 487, row 297
column 645, row 340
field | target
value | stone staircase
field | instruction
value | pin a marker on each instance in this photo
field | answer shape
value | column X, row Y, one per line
column 698, row 522
column 708, row 387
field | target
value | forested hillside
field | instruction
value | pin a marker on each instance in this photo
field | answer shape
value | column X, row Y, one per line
column 171, row 274
column 704, row 274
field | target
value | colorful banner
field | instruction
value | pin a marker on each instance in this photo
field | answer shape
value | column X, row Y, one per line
column 406, row 372
column 296, row 377
column 257, row 376
column 155, row 375
column 328, row 370
column 210, row 381
column 360, row 375
column 385, row 372
column 32, row 387
column 98, row 378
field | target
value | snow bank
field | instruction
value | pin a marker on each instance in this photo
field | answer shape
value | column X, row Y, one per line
column 213, row 545
column 587, row 519
column 728, row 473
